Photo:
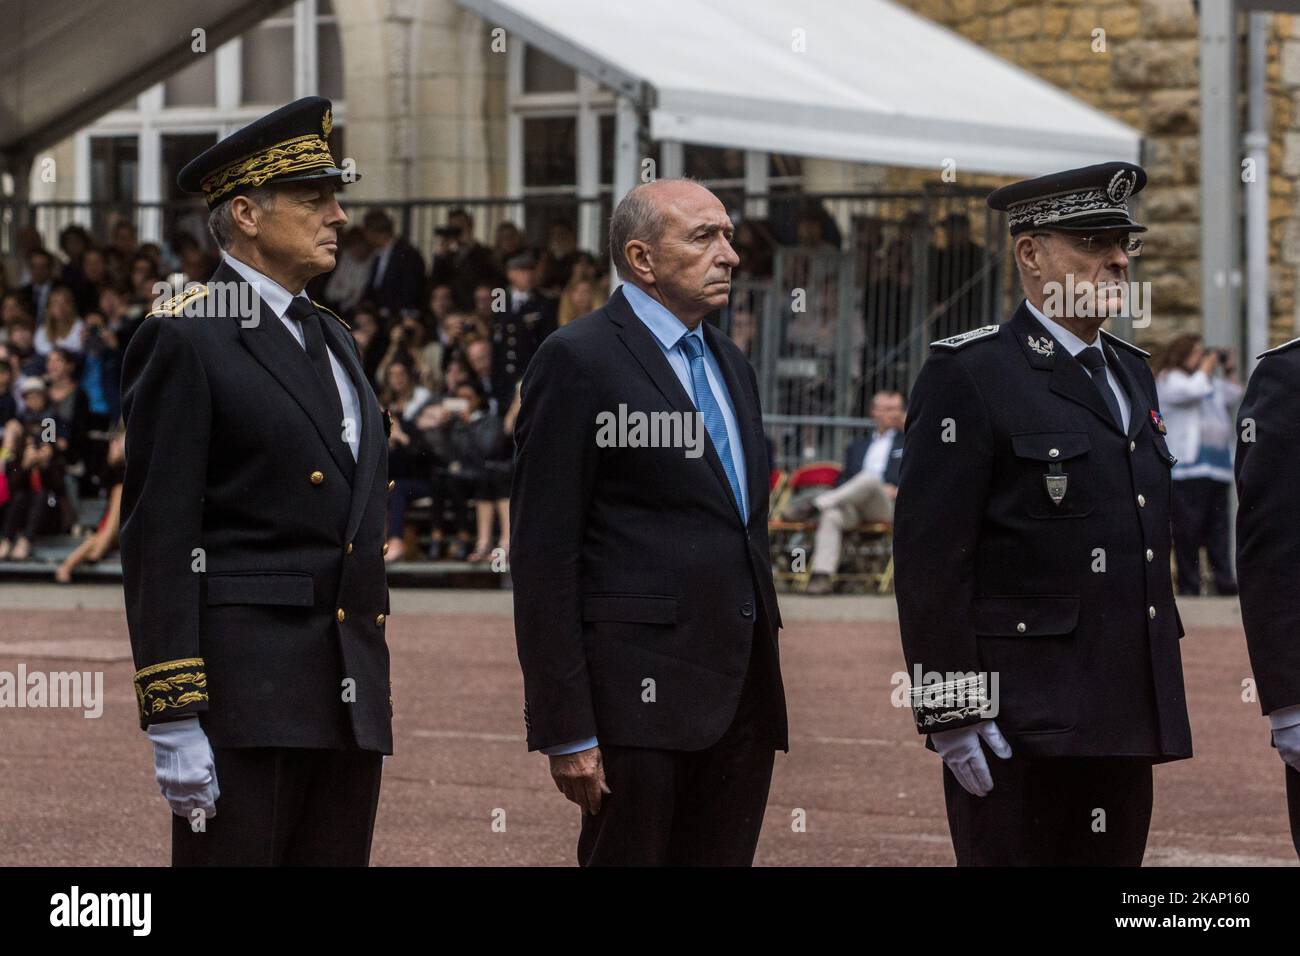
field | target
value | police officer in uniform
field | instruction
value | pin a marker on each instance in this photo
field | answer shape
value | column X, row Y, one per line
column 253, row 524
column 1031, row 549
column 1268, row 550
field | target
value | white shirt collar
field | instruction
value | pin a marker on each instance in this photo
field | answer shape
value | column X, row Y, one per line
column 276, row 296
column 1073, row 344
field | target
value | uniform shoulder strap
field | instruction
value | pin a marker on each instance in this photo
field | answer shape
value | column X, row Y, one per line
column 964, row 339
column 1116, row 340
column 1284, row 347
column 175, row 306
column 333, row 313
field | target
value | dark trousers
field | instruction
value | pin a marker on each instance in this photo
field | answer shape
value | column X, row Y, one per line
column 1293, row 804
column 689, row 808
column 405, row 490
column 1047, row 812
column 1200, row 519
column 284, row 806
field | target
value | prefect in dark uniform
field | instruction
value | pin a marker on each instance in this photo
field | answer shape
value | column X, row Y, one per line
column 252, row 538
column 1268, row 541
column 1031, row 546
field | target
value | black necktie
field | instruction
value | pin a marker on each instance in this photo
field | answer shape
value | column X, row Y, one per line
column 302, row 312
column 1092, row 359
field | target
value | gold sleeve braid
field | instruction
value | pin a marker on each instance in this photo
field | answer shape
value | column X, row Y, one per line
column 172, row 686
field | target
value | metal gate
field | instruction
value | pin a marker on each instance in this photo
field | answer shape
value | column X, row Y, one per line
column 835, row 324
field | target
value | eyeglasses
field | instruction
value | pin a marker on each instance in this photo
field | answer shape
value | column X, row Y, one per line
column 1130, row 245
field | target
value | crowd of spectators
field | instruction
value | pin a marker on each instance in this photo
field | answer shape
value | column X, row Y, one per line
column 444, row 344
column 64, row 324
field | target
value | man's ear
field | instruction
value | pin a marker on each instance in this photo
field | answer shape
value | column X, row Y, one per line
column 245, row 214
column 639, row 261
column 1027, row 256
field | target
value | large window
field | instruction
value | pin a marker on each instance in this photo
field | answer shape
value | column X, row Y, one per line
column 196, row 85
column 133, row 154
column 267, row 62
column 113, row 164
column 562, row 152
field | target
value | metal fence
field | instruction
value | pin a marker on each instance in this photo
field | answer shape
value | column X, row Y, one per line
column 845, row 303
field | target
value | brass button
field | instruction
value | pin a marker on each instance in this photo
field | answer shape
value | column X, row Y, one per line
column 385, row 547
column 1132, row 446
column 1054, row 453
column 1150, row 554
column 379, row 620
column 317, row 477
column 1142, row 501
column 1020, row 628
column 349, row 548
column 1151, row 613
column 392, row 485
column 341, row 616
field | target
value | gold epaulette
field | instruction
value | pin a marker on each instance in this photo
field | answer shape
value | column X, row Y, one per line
column 331, row 312
column 176, row 304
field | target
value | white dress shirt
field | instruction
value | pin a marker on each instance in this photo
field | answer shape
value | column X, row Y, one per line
column 876, row 458
column 278, row 298
column 1074, row 345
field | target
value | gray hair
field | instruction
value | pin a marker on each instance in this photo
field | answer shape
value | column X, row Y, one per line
column 636, row 217
column 222, row 224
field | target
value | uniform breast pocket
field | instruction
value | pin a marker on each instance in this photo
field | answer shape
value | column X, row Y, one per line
column 1054, row 478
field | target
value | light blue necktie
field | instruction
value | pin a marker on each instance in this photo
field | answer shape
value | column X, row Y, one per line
column 707, row 406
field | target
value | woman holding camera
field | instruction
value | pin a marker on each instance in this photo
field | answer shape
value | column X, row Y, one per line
column 1198, row 389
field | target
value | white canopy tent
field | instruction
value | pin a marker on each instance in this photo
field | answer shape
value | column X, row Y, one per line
column 873, row 83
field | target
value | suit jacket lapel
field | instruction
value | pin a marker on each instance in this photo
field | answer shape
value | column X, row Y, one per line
column 1069, row 378
column 1129, row 384
column 373, row 443
column 275, row 348
column 640, row 341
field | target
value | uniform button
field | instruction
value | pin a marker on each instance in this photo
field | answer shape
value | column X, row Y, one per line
column 348, row 550
column 747, row 609
column 1132, row 446
column 1151, row 613
column 316, row 477
column 1142, row 501
column 392, row 485
column 1020, row 628
column 1150, row 554
column 379, row 620
column 340, row 615
column 385, row 547
column 1054, row 453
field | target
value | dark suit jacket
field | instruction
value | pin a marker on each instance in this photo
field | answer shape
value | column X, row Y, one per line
column 853, row 459
column 1268, row 545
column 632, row 563
column 403, row 283
column 1071, row 604
column 231, row 448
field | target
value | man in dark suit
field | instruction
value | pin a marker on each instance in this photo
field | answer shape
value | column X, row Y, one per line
column 1031, row 550
column 461, row 261
column 40, row 271
column 864, row 491
column 253, row 526
column 397, row 272
column 1268, row 551
column 645, row 615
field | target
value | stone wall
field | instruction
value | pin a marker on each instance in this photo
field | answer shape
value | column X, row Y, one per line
column 1148, row 77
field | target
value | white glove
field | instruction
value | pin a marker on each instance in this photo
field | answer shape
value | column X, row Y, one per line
column 961, row 751
column 1287, row 741
column 184, row 766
